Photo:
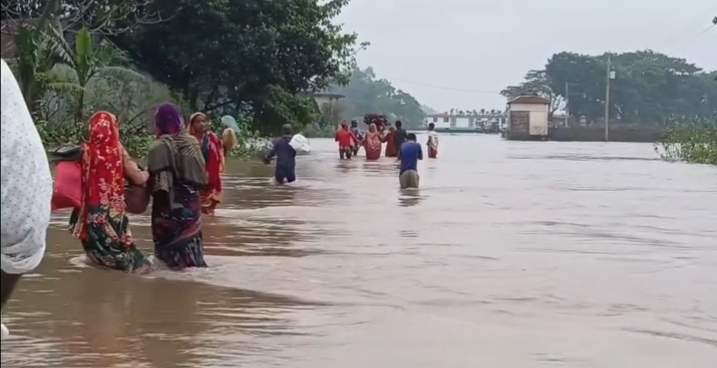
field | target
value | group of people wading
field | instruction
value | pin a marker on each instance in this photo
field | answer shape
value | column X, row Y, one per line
column 182, row 176
column 399, row 143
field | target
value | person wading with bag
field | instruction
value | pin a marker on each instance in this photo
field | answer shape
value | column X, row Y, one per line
column 177, row 177
column 101, row 221
column 285, row 157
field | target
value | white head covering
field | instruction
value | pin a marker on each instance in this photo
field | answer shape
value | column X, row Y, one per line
column 25, row 181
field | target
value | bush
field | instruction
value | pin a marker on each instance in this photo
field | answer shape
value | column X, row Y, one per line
column 695, row 143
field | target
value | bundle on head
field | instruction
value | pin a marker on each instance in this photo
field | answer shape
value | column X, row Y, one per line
column 229, row 140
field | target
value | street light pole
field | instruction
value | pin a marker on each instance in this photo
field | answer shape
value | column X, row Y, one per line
column 567, row 101
column 607, row 100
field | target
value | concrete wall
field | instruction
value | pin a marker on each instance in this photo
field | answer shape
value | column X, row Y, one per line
column 616, row 134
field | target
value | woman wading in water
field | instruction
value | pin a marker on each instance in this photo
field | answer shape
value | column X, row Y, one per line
column 177, row 176
column 101, row 222
column 213, row 154
column 372, row 143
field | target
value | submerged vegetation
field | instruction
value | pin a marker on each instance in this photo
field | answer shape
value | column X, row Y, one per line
column 696, row 143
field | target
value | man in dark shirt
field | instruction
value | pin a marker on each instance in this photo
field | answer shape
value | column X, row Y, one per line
column 401, row 135
column 285, row 157
column 410, row 154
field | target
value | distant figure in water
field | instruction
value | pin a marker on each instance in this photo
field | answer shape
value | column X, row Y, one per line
column 400, row 136
column 410, row 154
column 357, row 137
column 372, row 143
column 285, row 156
column 432, row 142
column 345, row 140
column 390, row 139
column 229, row 141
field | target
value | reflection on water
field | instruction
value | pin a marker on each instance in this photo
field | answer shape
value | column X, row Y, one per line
column 511, row 254
column 409, row 198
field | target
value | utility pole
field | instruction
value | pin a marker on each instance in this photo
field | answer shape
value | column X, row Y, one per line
column 607, row 100
column 567, row 99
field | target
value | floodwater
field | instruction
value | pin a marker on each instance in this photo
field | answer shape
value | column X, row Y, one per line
column 512, row 254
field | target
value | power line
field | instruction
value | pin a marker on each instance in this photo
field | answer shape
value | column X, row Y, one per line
column 679, row 44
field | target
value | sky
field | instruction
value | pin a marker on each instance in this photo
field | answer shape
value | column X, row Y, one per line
column 461, row 53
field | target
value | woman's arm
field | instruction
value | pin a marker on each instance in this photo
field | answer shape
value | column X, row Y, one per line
column 132, row 171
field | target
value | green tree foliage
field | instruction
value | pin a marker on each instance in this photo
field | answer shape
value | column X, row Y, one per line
column 365, row 94
column 282, row 107
column 87, row 60
column 536, row 83
column 225, row 56
column 649, row 88
column 34, row 61
column 99, row 16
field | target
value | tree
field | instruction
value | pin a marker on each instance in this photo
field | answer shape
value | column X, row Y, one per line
column 365, row 94
column 98, row 16
column 650, row 87
column 331, row 113
column 86, row 61
column 536, row 83
column 226, row 55
column 34, row 61
column 39, row 28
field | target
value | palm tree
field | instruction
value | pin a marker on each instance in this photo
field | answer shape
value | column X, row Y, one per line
column 87, row 60
column 42, row 50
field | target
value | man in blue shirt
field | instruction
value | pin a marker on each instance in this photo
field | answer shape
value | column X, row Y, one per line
column 410, row 154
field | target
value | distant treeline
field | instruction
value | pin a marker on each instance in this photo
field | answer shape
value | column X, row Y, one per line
column 366, row 94
column 253, row 59
column 648, row 88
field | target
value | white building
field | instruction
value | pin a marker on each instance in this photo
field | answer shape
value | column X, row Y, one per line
column 464, row 122
column 527, row 118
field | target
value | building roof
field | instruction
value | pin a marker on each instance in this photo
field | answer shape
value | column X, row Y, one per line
column 535, row 100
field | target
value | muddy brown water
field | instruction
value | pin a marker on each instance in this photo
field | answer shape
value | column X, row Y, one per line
column 512, row 254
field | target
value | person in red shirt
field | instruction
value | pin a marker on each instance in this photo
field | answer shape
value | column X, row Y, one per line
column 346, row 141
column 390, row 139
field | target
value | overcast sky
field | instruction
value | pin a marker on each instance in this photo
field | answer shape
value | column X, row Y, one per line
column 461, row 53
